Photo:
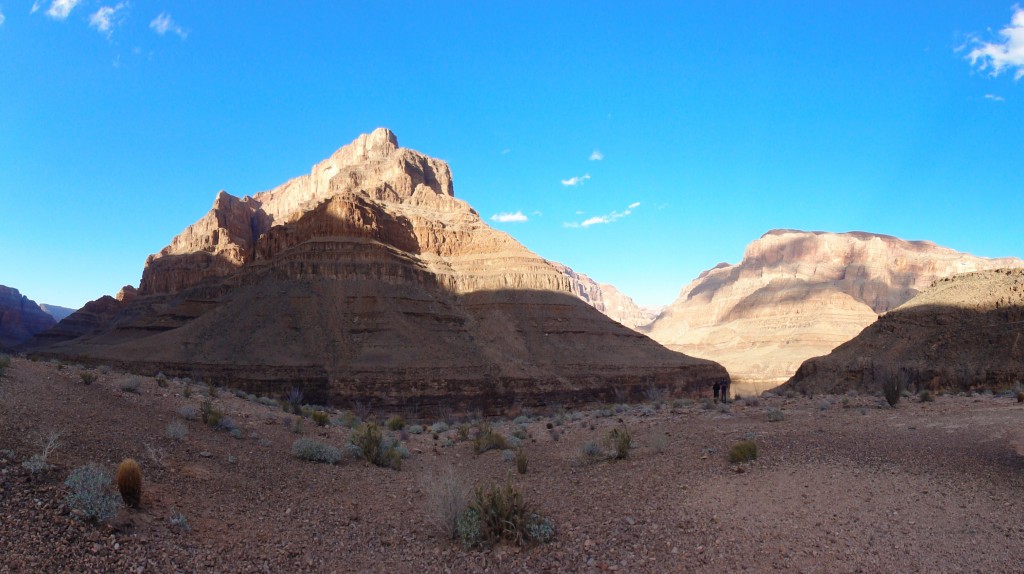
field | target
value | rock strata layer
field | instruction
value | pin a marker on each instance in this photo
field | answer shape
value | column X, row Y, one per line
column 796, row 295
column 20, row 318
column 962, row 333
column 368, row 280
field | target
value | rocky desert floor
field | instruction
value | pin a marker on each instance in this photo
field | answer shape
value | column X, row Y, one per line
column 840, row 484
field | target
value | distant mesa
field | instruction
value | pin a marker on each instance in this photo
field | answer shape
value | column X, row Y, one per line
column 20, row 318
column 797, row 295
column 368, row 280
column 960, row 334
column 57, row 312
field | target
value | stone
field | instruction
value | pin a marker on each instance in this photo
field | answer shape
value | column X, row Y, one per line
column 20, row 318
column 797, row 295
column 368, row 280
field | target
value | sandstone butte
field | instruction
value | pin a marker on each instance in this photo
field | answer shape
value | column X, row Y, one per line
column 797, row 295
column 962, row 333
column 367, row 280
column 20, row 318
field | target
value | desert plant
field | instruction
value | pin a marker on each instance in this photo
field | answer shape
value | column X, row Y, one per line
column 414, row 429
column 893, row 382
column 521, row 461
column 743, row 451
column 321, row 418
column 775, row 415
column 619, row 441
column 659, row 442
column 370, row 443
column 90, row 495
column 161, row 380
column 447, row 498
column 131, row 384
column 499, row 512
column 88, row 377
column 396, row 422
column 178, row 521
column 5, row 362
column 316, row 451
column 155, row 454
column 129, row 482
column 176, row 430
column 439, row 427
column 487, row 439
column 1020, row 396
column 46, row 442
column 210, row 415
column 189, row 412
column 463, row 431
column 925, row 396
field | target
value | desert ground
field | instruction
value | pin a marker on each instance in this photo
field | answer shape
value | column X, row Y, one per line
column 840, row 484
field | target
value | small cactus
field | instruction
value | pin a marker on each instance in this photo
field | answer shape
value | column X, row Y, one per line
column 129, row 482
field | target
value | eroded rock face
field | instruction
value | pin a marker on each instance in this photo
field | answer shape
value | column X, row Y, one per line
column 961, row 333
column 797, row 295
column 20, row 318
column 368, row 280
column 608, row 300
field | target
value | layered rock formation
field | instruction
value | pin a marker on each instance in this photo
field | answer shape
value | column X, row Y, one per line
column 797, row 295
column 368, row 280
column 608, row 299
column 56, row 311
column 20, row 318
column 963, row 332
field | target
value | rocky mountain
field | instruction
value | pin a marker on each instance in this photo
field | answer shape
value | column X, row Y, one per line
column 57, row 312
column 961, row 333
column 608, row 299
column 20, row 318
column 797, row 295
column 368, row 280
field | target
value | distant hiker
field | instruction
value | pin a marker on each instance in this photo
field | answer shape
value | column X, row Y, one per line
column 725, row 391
column 716, row 387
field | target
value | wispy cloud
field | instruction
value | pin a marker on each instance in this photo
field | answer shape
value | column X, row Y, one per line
column 1007, row 55
column 516, row 217
column 994, row 98
column 606, row 218
column 163, row 24
column 107, row 18
column 576, row 180
column 36, row 6
column 506, row 151
column 59, row 9
column 596, row 155
column 2, row 18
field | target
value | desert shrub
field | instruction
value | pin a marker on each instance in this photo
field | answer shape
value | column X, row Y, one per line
column 396, row 422
column 522, row 420
column 129, row 482
column 187, row 391
column 5, row 362
column 103, row 369
column 178, row 521
column 619, row 441
column 824, row 406
column 463, row 431
column 926, row 397
column 210, row 415
column 131, row 384
column 88, row 377
column 519, row 433
column 447, row 499
column 892, row 388
column 775, row 416
column 1020, row 396
column 294, row 399
column 521, row 461
column 161, row 380
column 371, row 444
column 321, row 418
column 743, row 451
column 46, row 442
column 707, row 404
column 499, row 512
column 508, row 455
column 439, row 427
column 90, row 494
column 189, row 412
column 487, row 439
column 228, row 425
column 659, row 442
column 752, row 402
column 316, row 451
column 176, row 430
column 415, row 429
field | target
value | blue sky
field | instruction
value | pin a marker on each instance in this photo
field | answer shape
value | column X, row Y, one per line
column 714, row 122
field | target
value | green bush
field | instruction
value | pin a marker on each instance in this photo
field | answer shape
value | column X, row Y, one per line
column 521, row 461
column 743, row 451
column 131, row 384
column 488, row 439
column 210, row 415
column 370, row 443
column 396, row 423
column 925, row 397
column 321, row 418
column 499, row 512
column 90, row 494
column 88, row 377
column 316, row 451
column 775, row 415
column 619, row 441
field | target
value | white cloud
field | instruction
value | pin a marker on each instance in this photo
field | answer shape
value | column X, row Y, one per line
column 606, row 218
column 59, row 9
column 163, row 24
column 516, row 217
column 35, row 6
column 1007, row 55
column 505, row 151
column 576, row 180
column 2, row 18
column 108, row 17
column 596, row 155
column 994, row 98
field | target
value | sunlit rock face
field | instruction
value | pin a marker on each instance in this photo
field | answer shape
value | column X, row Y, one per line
column 368, row 280
column 964, row 332
column 20, row 318
column 797, row 295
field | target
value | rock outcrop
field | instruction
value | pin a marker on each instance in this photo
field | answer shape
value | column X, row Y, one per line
column 962, row 333
column 608, row 299
column 797, row 295
column 20, row 318
column 56, row 311
column 368, row 280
